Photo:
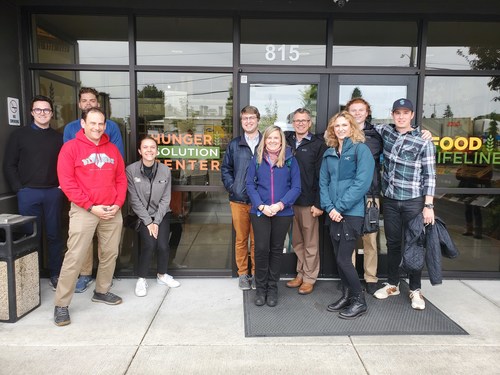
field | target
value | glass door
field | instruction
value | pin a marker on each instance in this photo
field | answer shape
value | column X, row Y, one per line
column 278, row 95
column 380, row 92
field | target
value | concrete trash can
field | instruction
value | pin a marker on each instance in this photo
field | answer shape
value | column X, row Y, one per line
column 19, row 272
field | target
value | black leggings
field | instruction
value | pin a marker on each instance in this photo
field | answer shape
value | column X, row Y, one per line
column 149, row 244
column 343, row 249
column 269, row 233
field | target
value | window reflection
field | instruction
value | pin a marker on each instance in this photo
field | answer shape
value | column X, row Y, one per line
column 184, row 41
column 381, row 46
column 113, row 88
column 464, row 119
column 190, row 116
column 277, row 102
column 463, row 45
column 60, row 39
column 473, row 221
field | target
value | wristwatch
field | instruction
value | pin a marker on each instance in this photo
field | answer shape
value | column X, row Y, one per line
column 428, row 205
column 90, row 208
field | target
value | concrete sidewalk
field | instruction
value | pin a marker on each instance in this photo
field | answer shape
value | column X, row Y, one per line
column 198, row 328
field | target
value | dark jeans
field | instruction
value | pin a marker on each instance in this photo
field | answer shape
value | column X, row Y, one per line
column 46, row 204
column 343, row 249
column 396, row 215
column 270, row 233
column 149, row 244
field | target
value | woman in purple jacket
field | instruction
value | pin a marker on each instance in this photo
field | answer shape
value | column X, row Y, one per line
column 273, row 185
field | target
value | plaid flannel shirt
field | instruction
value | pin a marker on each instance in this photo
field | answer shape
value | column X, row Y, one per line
column 409, row 168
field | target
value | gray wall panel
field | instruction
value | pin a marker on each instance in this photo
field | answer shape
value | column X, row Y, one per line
column 10, row 78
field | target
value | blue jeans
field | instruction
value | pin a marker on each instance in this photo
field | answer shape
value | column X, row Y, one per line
column 46, row 204
column 396, row 215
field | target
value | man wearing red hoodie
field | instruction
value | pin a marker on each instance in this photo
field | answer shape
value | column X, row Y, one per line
column 91, row 173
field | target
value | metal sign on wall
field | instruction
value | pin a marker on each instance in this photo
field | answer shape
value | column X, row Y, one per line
column 13, row 111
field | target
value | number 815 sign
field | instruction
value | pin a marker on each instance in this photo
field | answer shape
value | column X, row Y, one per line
column 282, row 52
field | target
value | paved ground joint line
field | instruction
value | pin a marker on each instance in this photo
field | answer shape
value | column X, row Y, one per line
column 478, row 291
column 146, row 331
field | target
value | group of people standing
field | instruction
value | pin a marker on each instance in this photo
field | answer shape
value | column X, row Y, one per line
column 277, row 180
column 87, row 166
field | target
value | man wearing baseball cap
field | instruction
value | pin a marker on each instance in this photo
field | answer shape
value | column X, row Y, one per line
column 408, row 185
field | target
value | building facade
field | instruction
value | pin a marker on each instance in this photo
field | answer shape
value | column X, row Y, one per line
column 181, row 72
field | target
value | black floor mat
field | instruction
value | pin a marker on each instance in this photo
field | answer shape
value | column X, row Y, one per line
column 298, row 315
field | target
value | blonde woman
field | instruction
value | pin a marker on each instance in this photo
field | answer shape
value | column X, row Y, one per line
column 273, row 185
column 345, row 177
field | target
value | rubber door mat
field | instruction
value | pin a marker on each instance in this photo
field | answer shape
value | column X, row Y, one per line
column 298, row 315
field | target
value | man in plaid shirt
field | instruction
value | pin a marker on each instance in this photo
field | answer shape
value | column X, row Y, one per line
column 408, row 184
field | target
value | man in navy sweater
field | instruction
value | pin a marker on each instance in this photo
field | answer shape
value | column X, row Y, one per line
column 30, row 167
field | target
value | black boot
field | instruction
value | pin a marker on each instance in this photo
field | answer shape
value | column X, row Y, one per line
column 356, row 308
column 260, row 300
column 343, row 302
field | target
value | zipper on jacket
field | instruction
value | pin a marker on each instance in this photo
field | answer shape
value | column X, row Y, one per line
column 272, row 184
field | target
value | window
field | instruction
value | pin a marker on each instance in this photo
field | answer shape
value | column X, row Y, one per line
column 190, row 115
column 283, row 42
column 375, row 43
column 184, row 41
column 65, row 39
column 463, row 45
column 464, row 118
column 112, row 86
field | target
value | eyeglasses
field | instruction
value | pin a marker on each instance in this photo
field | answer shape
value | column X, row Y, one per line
column 39, row 111
column 301, row 122
column 248, row 118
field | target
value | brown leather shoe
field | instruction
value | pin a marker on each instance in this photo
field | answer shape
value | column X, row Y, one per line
column 295, row 283
column 306, row 288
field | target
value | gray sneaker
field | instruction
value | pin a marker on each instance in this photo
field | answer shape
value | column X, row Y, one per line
column 244, row 282
column 107, row 298
column 61, row 316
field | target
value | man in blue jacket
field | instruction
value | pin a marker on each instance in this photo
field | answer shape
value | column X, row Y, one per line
column 308, row 150
column 234, row 168
column 88, row 98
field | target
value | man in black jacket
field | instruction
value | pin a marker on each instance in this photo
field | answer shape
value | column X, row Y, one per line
column 360, row 110
column 308, row 150
column 234, row 168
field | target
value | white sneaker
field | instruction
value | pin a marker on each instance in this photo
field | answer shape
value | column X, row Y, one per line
column 168, row 280
column 417, row 299
column 141, row 287
column 386, row 291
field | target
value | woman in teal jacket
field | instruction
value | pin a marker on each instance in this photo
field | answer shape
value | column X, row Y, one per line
column 345, row 177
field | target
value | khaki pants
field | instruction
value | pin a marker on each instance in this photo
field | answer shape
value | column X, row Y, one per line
column 82, row 226
column 88, row 264
column 243, row 228
column 305, row 240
